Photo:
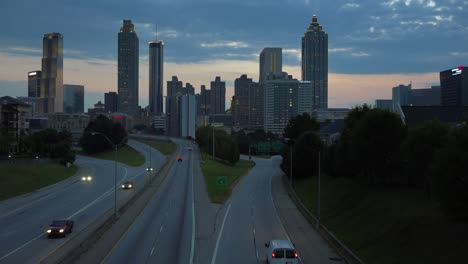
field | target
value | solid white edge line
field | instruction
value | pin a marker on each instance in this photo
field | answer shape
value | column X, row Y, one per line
column 22, row 246
column 213, row 259
column 192, row 248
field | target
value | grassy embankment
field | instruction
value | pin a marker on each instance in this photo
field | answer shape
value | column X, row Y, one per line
column 17, row 179
column 211, row 169
column 125, row 154
column 387, row 225
column 165, row 147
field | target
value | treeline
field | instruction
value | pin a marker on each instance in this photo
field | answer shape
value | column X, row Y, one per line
column 378, row 150
column 94, row 143
column 250, row 140
column 226, row 147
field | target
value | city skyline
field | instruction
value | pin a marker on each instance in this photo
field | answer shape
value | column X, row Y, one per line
column 355, row 75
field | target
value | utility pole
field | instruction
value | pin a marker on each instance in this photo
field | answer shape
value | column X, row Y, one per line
column 318, row 193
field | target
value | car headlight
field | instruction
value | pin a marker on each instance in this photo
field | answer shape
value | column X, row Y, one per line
column 130, row 186
column 123, row 186
column 61, row 230
column 49, row 231
column 83, row 178
column 89, row 178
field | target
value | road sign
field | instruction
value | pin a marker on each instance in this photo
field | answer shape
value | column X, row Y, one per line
column 217, row 124
column 221, row 180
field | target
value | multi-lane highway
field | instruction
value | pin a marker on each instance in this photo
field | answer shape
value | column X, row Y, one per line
column 164, row 231
column 24, row 220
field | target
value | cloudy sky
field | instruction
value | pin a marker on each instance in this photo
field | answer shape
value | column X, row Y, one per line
column 373, row 45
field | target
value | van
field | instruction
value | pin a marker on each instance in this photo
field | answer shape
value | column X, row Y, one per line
column 281, row 252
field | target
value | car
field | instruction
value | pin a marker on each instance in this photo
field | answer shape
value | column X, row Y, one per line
column 281, row 252
column 60, row 228
column 86, row 178
column 189, row 148
column 127, row 185
column 179, row 159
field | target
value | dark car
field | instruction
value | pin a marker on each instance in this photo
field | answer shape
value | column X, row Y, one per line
column 127, row 185
column 189, row 148
column 179, row 159
column 60, row 228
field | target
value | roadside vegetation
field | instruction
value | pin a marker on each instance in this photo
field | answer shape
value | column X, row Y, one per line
column 212, row 169
column 17, row 179
column 165, row 147
column 125, row 154
column 390, row 193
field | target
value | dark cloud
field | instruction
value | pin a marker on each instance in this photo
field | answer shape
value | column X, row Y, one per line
column 391, row 36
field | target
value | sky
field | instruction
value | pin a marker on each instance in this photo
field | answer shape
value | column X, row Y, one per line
column 373, row 45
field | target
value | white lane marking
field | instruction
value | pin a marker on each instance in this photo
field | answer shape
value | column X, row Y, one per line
column 22, row 246
column 276, row 212
column 213, row 260
column 152, row 250
column 161, row 229
column 193, row 216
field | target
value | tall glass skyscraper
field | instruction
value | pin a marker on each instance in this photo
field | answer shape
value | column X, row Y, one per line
column 127, row 68
column 73, row 99
column 52, row 73
column 271, row 61
column 34, row 84
column 315, row 62
column 156, row 62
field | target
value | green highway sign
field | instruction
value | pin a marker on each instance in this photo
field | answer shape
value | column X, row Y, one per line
column 221, row 180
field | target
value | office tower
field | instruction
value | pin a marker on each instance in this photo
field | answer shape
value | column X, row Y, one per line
column 73, row 98
column 256, row 105
column 240, row 104
column 203, row 106
column 271, row 62
column 218, row 96
column 175, row 90
column 111, row 102
column 189, row 89
column 127, row 72
column 285, row 98
column 174, row 86
column 188, row 115
column 315, row 62
column 52, row 72
column 401, row 95
column 34, row 84
column 156, row 66
column 454, row 87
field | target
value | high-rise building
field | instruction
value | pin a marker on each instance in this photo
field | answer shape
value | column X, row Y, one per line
column 73, row 98
column 156, row 66
column 52, row 72
column 34, row 84
column 401, row 95
column 190, row 89
column 188, row 115
column 111, row 102
column 175, row 90
column 240, row 108
column 285, row 98
column 203, row 106
column 127, row 68
column 174, row 86
column 256, row 104
column 315, row 62
column 218, row 96
column 271, row 62
column 454, row 87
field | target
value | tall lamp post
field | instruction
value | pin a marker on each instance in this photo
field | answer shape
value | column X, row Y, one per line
column 150, row 168
column 318, row 193
column 115, row 167
column 290, row 142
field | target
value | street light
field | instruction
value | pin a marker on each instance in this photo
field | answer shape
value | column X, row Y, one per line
column 115, row 167
column 290, row 142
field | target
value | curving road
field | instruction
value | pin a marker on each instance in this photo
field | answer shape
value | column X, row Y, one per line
column 164, row 231
column 24, row 219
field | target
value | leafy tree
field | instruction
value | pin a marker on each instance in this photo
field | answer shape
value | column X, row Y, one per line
column 450, row 175
column 300, row 124
column 96, row 143
column 418, row 151
column 305, row 155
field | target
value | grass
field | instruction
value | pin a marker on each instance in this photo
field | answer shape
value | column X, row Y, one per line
column 165, row 147
column 17, row 179
column 211, row 169
column 125, row 154
column 386, row 226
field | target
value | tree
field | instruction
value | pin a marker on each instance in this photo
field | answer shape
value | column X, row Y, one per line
column 305, row 155
column 300, row 124
column 449, row 173
column 95, row 143
column 418, row 150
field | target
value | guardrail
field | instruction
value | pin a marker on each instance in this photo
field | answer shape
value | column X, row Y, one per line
column 349, row 256
column 81, row 241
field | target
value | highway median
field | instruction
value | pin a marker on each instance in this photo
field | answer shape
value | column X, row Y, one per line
column 125, row 154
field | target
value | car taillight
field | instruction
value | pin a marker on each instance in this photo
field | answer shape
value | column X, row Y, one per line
column 296, row 255
column 273, row 254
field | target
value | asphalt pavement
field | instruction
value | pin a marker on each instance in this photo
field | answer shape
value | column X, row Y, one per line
column 25, row 219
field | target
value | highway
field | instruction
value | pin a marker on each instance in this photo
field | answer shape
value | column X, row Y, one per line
column 25, row 219
column 164, row 231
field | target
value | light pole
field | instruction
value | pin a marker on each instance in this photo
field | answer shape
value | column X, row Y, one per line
column 318, row 193
column 290, row 142
column 115, row 167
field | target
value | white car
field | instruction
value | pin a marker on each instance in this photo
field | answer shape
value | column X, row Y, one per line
column 281, row 252
column 86, row 178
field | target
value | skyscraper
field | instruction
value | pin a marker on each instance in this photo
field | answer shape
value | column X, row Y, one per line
column 111, row 102
column 315, row 62
column 52, row 72
column 156, row 62
column 34, row 84
column 454, row 87
column 127, row 71
column 73, row 98
column 271, row 61
column 240, row 107
column 218, row 96
column 174, row 91
column 256, row 104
